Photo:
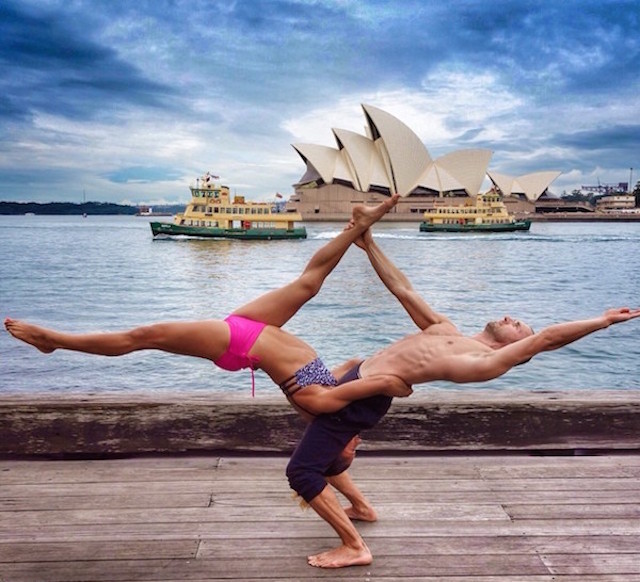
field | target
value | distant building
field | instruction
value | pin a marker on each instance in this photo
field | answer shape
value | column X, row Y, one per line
column 391, row 158
column 616, row 203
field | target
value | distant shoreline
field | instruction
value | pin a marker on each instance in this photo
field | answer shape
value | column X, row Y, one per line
column 80, row 209
column 111, row 209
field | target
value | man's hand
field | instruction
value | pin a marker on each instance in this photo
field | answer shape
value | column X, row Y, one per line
column 396, row 387
column 620, row 314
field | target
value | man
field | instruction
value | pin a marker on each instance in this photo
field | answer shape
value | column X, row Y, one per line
column 438, row 352
column 322, row 458
column 441, row 352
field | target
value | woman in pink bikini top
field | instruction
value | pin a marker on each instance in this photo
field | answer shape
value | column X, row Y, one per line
column 251, row 337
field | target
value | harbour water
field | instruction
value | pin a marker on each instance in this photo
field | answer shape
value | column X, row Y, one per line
column 107, row 273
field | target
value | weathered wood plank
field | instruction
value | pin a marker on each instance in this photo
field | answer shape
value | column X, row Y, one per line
column 90, row 551
column 518, row 504
column 574, row 511
column 287, row 568
column 80, row 488
column 427, row 545
column 623, row 564
column 431, row 421
column 232, row 514
column 116, row 502
column 575, row 471
column 625, row 484
column 106, row 475
column 309, row 528
column 399, row 496
column 387, row 466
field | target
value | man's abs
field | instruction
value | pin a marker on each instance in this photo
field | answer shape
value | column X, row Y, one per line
column 419, row 358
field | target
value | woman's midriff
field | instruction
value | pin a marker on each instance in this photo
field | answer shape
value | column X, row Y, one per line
column 281, row 354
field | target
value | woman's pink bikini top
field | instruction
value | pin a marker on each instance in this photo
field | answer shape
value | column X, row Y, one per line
column 243, row 333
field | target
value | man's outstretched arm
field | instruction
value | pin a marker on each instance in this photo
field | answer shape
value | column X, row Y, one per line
column 397, row 282
column 486, row 366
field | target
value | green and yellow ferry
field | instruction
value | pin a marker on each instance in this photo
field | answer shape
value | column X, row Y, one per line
column 213, row 214
column 483, row 213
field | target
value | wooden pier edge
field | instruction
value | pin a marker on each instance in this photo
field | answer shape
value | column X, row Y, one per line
column 461, row 420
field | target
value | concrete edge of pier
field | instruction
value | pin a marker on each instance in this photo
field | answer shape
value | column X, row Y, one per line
column 103, row 425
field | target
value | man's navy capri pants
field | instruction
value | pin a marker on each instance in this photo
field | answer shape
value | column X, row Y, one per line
column 318, row 453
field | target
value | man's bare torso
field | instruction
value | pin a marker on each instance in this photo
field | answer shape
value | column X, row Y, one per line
column 424, row 356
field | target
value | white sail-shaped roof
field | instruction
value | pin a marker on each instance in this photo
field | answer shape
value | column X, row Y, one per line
column 344, row 170
column 533, row 185
column 502, row 181
column 405, row 156
column 391, row 156
column 468, row 167
column 361, row 155
column 322, row 158
column 438, row 179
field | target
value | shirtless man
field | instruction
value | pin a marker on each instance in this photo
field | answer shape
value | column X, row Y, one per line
column 441, row 352
column 438, row 352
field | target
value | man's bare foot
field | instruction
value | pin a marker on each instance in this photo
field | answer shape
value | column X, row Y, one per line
column 341, row 557
column 367, row 215
column 31, row 334
column 361, row 514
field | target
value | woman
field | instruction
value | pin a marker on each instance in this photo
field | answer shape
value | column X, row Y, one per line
column 251, row 337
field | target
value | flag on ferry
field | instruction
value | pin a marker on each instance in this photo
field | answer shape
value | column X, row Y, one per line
column 278, row 195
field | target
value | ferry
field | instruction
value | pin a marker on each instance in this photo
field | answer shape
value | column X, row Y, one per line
column 212, row 213
column 484, row 213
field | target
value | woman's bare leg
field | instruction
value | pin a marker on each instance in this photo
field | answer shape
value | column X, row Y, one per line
column 278, row 306
column 202, row 339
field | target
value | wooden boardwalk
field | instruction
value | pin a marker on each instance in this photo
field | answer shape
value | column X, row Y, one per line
column 451, row 518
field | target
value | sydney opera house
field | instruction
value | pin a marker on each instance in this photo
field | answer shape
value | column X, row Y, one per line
column 392, row 158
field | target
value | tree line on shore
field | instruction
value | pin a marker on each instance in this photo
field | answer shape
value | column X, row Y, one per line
column 72, row 208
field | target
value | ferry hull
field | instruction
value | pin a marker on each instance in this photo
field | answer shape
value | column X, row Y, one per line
column 169, row 229
column 518, row 225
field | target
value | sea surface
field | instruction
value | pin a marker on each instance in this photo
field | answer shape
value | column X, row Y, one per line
column 108, row 273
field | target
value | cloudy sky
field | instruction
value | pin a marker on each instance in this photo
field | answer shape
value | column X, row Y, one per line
column 123, row 101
